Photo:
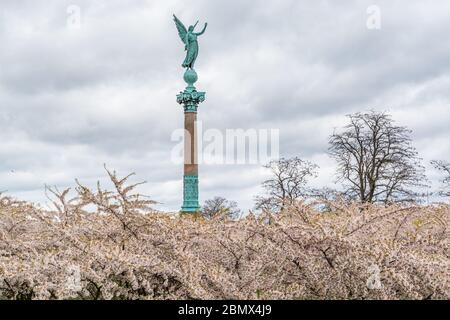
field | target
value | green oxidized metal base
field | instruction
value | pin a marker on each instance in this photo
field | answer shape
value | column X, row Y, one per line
column 190, row 186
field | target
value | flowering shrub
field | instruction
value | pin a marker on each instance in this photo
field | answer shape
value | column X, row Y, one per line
column 126, row 250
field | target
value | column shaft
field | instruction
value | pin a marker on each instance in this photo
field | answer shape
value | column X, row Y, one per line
column 190, row 180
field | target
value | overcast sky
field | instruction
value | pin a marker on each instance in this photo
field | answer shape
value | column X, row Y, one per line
column 72, row 99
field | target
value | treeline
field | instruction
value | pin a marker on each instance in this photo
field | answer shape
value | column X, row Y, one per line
column 376, row 164
column 110, row 244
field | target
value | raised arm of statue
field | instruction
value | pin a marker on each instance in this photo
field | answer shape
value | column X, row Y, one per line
column 203, row 31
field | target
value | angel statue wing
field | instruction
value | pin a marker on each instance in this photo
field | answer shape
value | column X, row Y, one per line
column 181, row 29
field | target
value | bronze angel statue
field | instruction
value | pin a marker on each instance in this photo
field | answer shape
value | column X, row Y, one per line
column 189, row 38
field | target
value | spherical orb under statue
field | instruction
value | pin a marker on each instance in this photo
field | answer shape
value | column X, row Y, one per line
column 190, row 76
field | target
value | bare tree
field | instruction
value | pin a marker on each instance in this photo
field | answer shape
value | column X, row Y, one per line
column 445, row 168
column 288, row 183
column 220, row 206
column 376, row 159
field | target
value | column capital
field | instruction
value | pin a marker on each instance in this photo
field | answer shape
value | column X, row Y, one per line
column 190, row 98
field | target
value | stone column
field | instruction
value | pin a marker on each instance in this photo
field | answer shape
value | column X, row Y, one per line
column 190, row 99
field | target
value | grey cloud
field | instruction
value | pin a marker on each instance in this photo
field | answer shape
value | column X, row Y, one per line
column 71, row 100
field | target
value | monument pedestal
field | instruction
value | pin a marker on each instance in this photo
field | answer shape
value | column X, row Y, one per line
column 190, row 98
